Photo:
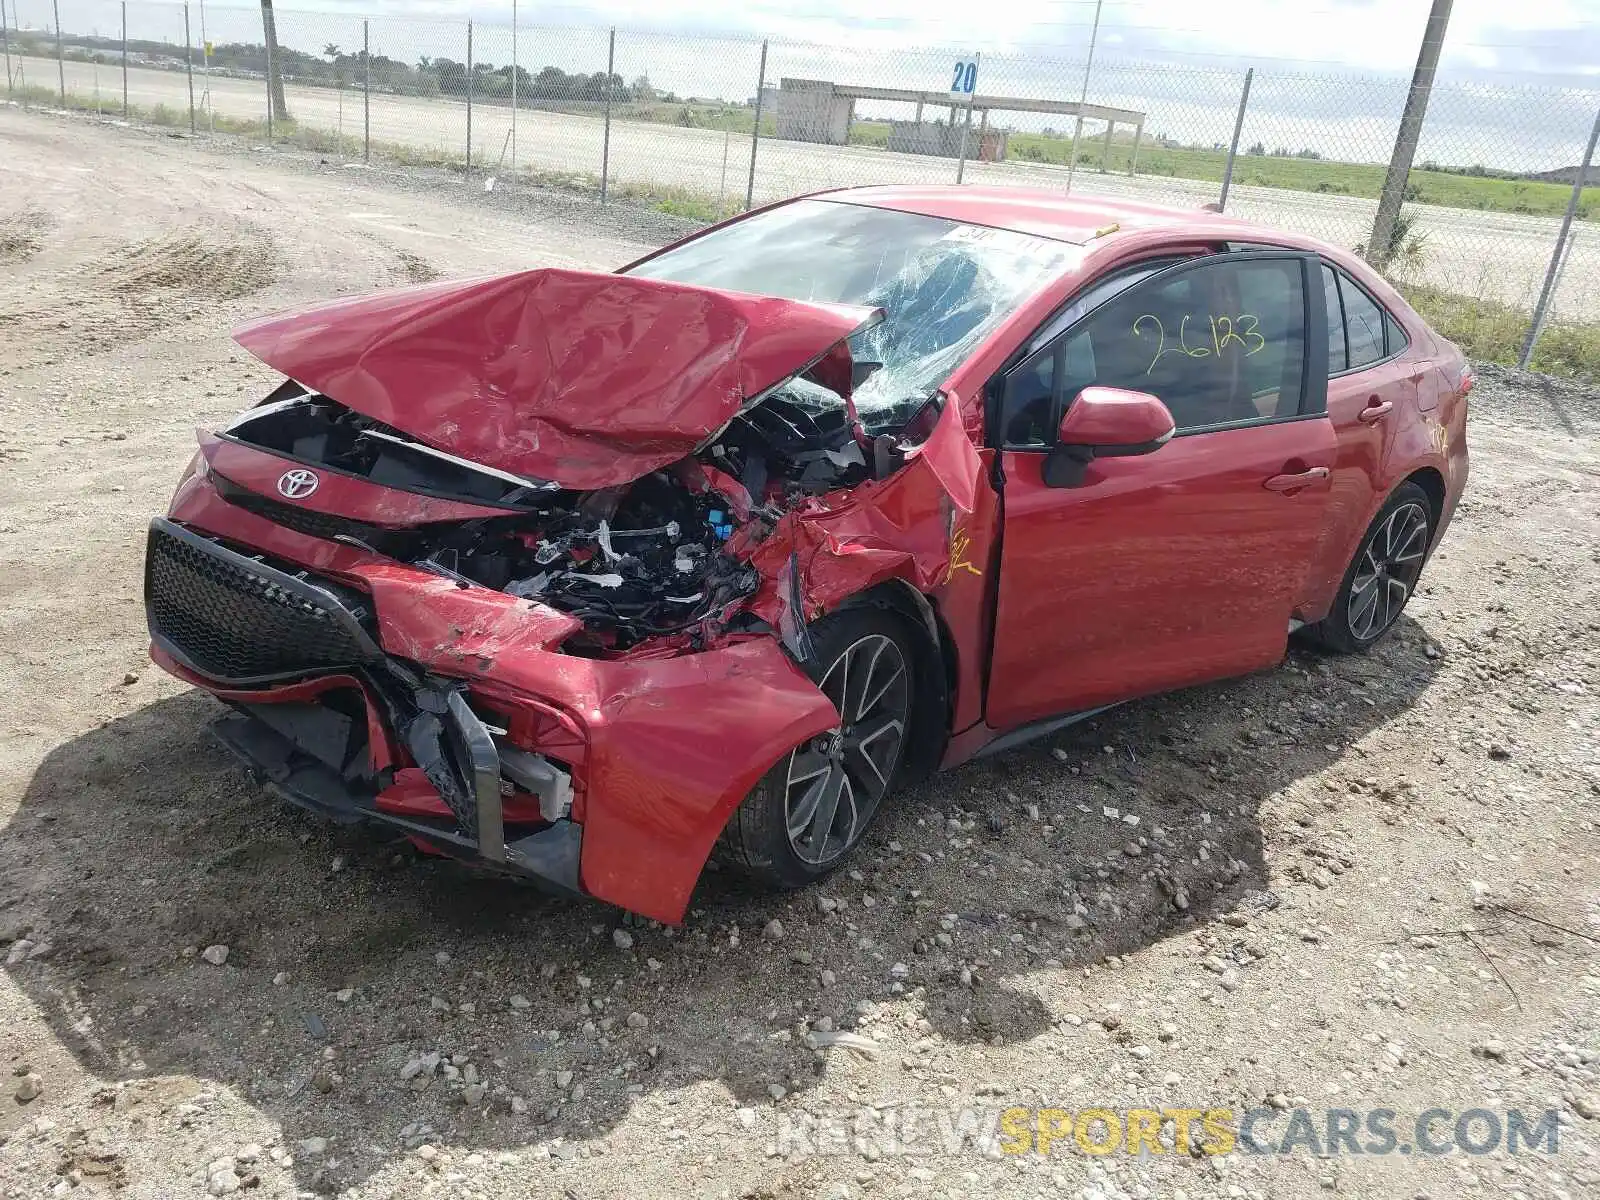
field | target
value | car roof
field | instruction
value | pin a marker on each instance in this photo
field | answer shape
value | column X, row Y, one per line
column 1050, row 214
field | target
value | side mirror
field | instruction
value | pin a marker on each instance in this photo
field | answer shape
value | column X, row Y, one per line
column 1103, row 422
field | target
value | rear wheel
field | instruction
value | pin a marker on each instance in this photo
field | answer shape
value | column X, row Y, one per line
column 811, row 810
column 1383, row 575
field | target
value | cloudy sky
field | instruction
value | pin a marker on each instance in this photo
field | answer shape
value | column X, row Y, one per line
column 1551, row 38
column 1519, row 84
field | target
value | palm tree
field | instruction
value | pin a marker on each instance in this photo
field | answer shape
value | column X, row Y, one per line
column 1408, row 246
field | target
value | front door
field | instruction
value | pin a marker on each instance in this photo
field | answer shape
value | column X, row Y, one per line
column 1184, row 564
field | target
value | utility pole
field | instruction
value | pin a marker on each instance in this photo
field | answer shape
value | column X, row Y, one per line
column 1405, row 142
column 277, row 107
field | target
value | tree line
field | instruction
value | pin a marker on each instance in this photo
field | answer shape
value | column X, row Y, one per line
column 427, row 77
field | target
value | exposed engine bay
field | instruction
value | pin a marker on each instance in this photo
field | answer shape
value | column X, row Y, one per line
column 645, row 559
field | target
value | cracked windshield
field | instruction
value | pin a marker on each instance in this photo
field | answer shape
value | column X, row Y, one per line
column 943, row 285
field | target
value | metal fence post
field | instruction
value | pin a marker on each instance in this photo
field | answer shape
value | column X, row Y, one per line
column 469, row 99
column 61, row 62
column 207, row 100
column 188, row 66
column 366, row 92
column 124, row 60
column 514, row 70
column 755, row 132
column 5, row 38
column 605, row 142
column 1083, row 97
column 1547, row 293
column 1233, row 146
column 22, row 75
column 1564, row 254
column 966, row 132
column 722, row 188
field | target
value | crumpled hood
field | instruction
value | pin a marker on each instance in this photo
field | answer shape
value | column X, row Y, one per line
column 576, row 377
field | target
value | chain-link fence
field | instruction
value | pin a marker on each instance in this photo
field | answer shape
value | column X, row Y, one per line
column 705, row 126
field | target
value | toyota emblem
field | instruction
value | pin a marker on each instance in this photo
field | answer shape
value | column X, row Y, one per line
column 297, row 484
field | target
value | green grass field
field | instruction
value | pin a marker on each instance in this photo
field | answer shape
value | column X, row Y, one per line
column 1492, row 331
column 1447, row 188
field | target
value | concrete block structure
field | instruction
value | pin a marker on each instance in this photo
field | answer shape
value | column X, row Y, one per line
column 811, row 110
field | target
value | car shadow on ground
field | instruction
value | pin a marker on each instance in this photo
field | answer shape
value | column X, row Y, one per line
column 138, row 845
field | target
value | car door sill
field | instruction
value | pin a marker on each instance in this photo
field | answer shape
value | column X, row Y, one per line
column 1024, row 734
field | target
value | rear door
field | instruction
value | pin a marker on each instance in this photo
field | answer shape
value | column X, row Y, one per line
column 1185, row 564
column 1373, row 386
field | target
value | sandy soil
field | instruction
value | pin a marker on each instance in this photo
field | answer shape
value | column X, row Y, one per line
column 1306, row 914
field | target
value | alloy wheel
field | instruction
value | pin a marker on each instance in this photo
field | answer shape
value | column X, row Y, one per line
column 1389, row 566
column 837, row 779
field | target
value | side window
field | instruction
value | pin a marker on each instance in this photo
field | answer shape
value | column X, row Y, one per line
column 1360, row 330
column 1395, row 339
column 1337, row 356
column 1220, row 342
column 1031, row 390
column 1363, row 324
column 1032, row 413
column 1096, row 295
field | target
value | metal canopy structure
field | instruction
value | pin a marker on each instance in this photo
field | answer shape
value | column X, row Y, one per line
column 819, row 110
column 1064, row 108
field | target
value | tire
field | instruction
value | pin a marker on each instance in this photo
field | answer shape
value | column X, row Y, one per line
column 773, row 837
column 1383, row 575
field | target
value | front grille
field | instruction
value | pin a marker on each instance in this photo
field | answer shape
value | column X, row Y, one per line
column 238, row 620
column 291, row 516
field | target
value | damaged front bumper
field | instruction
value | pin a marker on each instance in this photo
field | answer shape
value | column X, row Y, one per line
column 548, row 856
column 456, row 720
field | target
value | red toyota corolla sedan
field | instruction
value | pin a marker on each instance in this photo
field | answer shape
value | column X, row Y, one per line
column 587, row 577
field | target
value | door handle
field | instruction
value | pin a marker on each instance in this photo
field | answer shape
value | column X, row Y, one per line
column 1377, row 411
column 1293, row 483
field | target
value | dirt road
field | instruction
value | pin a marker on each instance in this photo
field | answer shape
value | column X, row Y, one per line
column 1497, row 255
column 1280, row 893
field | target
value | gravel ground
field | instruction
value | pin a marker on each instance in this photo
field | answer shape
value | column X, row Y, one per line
column 1289, row 891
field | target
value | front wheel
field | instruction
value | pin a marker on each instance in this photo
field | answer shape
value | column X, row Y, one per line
column 811, row 810
column 1383, row 575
